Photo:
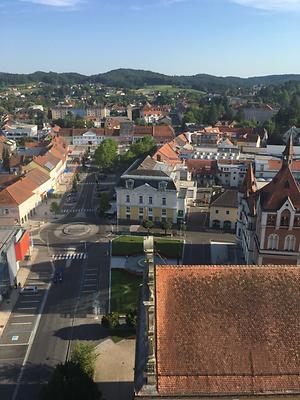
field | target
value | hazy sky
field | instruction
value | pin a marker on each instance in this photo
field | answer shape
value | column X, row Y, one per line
column 220, row 37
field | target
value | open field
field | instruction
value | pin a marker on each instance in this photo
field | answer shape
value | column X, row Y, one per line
column 149, row 90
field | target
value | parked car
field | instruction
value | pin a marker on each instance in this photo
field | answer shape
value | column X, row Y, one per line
column 29, row 290
column 58, row 277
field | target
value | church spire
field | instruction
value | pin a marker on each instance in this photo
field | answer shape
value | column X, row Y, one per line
column 249, row 185
column 288, row 152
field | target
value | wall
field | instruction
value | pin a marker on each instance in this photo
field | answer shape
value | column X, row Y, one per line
column 222, row 216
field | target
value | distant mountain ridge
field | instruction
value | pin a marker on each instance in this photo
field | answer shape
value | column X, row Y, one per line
column 135, row 78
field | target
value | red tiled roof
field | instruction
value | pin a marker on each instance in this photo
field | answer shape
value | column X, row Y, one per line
column 275, row 165
column 165, row 131
column 282, row 186
column 227, row 330
column 198, row 165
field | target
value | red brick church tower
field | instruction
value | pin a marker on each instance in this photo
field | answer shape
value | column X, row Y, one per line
column 268, row 226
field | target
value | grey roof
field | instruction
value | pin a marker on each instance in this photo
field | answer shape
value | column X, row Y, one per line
column 227, row 199
column 152, row 182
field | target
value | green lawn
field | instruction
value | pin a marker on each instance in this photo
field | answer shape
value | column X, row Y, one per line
column 124, row 291
column 133, row 245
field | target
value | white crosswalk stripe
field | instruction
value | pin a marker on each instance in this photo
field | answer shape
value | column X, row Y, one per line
column 70, row 256
column 86, row 183
column 66, row 211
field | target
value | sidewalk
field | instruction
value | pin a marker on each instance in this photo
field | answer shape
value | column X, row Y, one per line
column 8, row 304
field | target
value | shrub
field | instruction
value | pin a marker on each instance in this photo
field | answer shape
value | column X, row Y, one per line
column 111, row 320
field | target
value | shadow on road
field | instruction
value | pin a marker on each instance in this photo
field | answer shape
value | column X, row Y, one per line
column 116, row 390
column 91, row 332
column 34, row 376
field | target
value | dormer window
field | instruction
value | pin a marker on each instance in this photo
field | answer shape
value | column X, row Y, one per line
column 129, row 184
column 162, row 186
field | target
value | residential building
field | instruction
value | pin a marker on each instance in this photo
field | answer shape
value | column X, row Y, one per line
column 218, row 332
column 14, row 245
column 17, row 131
column 19, row 200
column 8, row 144
column 260, row 113
column 161, row 133
column 269, row 217
column 204, row 172
column 52, row 163
column 151, row 114
column 154, row 190
column 223, row 211
column 231, row 173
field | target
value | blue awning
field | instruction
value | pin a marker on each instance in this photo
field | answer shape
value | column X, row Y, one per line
column 67, row 171
column 51, row 191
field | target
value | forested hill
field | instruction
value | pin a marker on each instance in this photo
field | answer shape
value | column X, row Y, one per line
column 131, row 79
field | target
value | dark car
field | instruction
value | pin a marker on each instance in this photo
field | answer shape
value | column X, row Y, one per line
column 58, row 277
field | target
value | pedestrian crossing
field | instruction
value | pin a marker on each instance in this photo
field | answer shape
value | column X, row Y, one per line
column 67, row 211
column 69, row 256
column 86, row 183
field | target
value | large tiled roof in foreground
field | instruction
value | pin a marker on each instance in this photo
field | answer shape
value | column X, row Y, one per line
column 227, row 330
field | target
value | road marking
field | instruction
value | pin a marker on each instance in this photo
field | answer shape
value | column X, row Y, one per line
column 89, row 279
column 21, row 323
column 35, row 283
column 23, row 315
column 26, row 308
column 90, row 285
column 13, row 344
column 87, row 291
column 32, row 336
column 29, row 301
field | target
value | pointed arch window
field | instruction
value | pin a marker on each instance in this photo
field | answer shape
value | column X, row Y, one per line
column 289, row 243
column 273, row 242
column 285, row 218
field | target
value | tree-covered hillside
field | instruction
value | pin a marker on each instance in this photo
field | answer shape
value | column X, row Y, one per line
column 131, row 78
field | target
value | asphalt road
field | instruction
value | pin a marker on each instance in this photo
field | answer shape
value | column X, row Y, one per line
column 72, row 309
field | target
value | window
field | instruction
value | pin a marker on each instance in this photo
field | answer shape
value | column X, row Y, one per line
column 150, row 210
column 289, row 243
column 164, row 201
column 227, row 212
column 127, row 210
column 285, row 218
column 141, row 199
column 127, row 216
column 127, row 198
column 271, row 220
column 129, row 184
column 273, row 242
column 162, row 185
column 150, row 200
column 217, row 211
column 163, row 212
column 141, row 210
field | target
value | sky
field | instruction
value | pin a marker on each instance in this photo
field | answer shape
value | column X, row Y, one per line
column 175, row 37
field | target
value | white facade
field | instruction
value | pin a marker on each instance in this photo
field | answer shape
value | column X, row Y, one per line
column 88, row 139
column 231, row 175
column 18, row 131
